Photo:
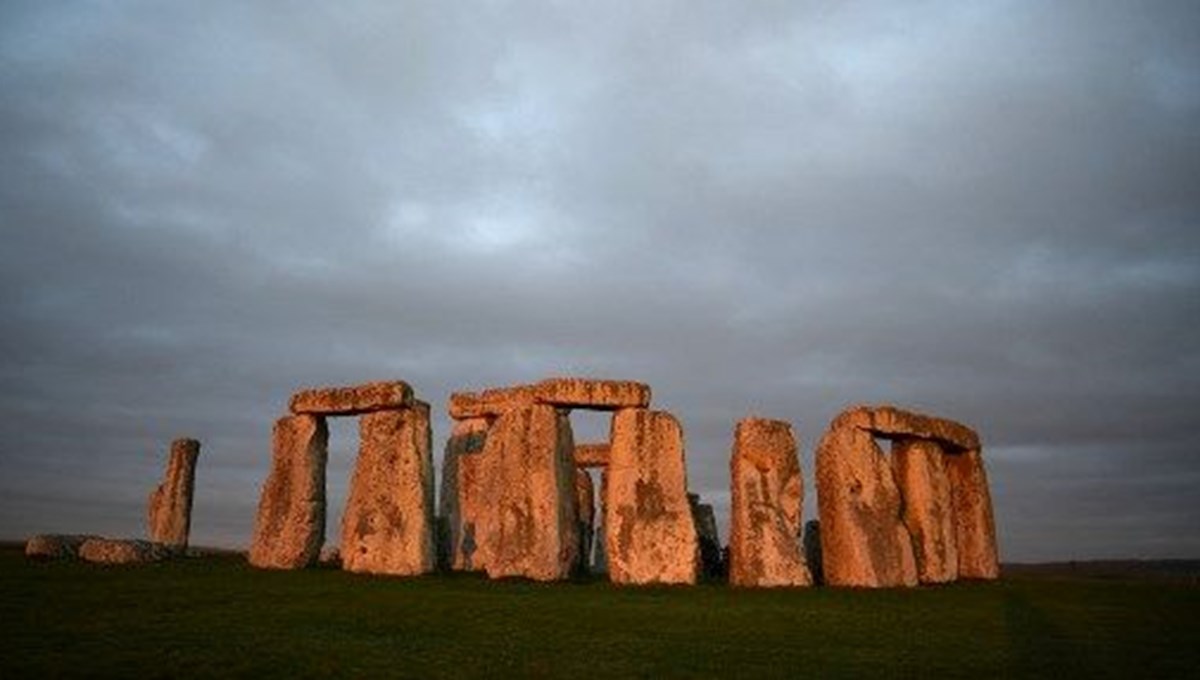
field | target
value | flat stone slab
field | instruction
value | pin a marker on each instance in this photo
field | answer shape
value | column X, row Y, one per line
column 580, row 393
column 353, row 400
column 890, row 422
column 599, row 395
column 592, row 455
column 490, row 403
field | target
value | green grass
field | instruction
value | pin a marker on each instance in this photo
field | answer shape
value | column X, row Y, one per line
column 215, row 616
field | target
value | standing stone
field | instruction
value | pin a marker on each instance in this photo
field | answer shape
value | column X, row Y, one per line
column 711, row 565
column 600, row 558
column 975, row 528
column 462, row 503
column 767, row 495
column 649, row 531
column 585, row 501
column 812, row 551
column 531, row 530
column 920, row 472
column 290, row 527
column 863, row 538
column 387, row 527
column 169, row 513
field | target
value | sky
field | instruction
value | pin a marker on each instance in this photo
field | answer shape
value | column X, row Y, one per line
column 976, row 210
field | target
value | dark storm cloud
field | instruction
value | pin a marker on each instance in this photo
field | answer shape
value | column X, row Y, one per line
column 985, row 211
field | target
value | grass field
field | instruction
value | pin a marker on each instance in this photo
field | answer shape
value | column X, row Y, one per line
column 214, row 616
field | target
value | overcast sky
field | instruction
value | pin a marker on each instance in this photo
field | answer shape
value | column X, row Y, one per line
column 988, row 211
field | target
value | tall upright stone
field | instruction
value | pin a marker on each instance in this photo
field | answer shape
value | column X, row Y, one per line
column 388, row 523
column 585, row 502
column 462, row 500
column 975, row 528
column 169, row 510
column 531, row 530
column 711, row 564
column 864, row 541
column 600, row 552
column 649, row 531
column 920, row 470
column 290, row 527
column 766, row 499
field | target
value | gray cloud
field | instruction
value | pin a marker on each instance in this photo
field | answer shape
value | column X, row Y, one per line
column 982, row 211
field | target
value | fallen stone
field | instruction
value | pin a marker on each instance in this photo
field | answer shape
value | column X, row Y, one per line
column 462, row 503
column 532, row 529
column 169, row 511
column 54, row 546
column 889, row 422
column 711, row 564
column 585, row 502
column 864, row 541
column 388, row 527
column 600, row 395
column 975, row 527
column 592, row 455
column 766, row 499
column 920, row 471
column 290, row 526
column 121, row 551
column 353, row 400
column 490, row 403
column 649, row 532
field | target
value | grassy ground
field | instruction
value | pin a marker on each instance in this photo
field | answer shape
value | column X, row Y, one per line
column 215, row 616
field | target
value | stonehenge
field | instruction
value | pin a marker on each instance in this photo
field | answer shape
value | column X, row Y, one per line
column 169, row 511
column 518, row 497
column 766, row 497
column 921, row 515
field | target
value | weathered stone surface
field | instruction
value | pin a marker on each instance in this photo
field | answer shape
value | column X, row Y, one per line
column 169, row 511
column 388, row 527
column 649, row 531
column 353, row 400
column 462, row 501
column 290, row 527
column 585, row 502
column 812, row 551
column 600, row 395
column 711, row 564
column 121, row 551
column 532, row 529
column 975, row 528
column 890, row 422
column 592, row 455
column 767, row 495
column 599, row 552
column 54, row 546
column 863, row 538
column 490, row 403
column 920, row 471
